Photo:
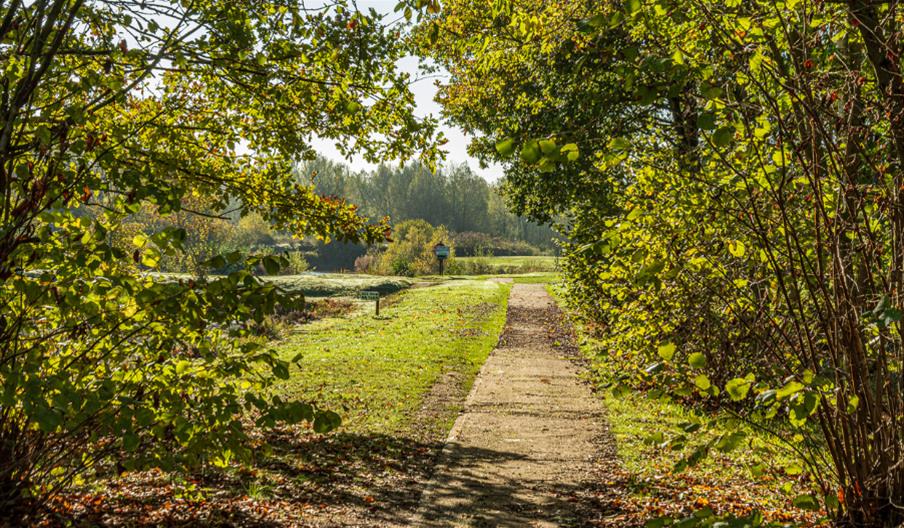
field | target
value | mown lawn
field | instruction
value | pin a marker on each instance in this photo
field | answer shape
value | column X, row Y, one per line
column 509, row 264
column 376, row 371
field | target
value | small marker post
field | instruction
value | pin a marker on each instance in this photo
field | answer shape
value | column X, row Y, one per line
column 442, row 253
column 371, row 295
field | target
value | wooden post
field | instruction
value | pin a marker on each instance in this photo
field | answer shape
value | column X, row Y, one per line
column 370, row 295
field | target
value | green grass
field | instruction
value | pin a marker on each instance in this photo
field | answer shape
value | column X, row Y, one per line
column 523, row 260
column 375, row 371
column 637, row 419
column 536, row 278
column 521, row 278
column 503, row 265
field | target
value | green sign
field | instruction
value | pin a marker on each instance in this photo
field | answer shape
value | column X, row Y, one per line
column 369, row 295
column 441, row 251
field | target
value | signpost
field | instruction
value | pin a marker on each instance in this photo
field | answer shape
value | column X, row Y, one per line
column 442, row 253
column 370, row 295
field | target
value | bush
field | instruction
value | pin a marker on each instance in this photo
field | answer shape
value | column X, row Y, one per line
column 252, row 231
column 411, row 251
column 364, row 263
column 297, row 263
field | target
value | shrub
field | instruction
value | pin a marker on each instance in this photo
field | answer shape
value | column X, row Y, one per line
column 411, row 250
column 100, row 364
column 365, row 263
column 296, row 263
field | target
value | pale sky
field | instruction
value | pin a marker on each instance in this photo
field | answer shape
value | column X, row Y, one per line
column 424, row 92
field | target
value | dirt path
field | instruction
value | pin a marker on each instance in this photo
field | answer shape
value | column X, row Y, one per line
column 529, row 438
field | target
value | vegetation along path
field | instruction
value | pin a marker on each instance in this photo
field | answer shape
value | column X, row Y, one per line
column 529, row 436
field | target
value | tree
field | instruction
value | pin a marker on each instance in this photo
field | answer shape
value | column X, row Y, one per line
column 453, row 196
column 731, row 176
column 111, row 107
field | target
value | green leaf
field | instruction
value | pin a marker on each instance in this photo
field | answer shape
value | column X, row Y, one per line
column 48, row 420
column 806, row 502
column 697, row 360
column 548, row 146
column 281, row 370
column 140, row 240
column 658, row 522
column 792, row 387
column 723, row 136
column 217, row 262
column 530, row 152
column 736, row 248
column 506, row 147
column 182, row 366
column 570, row 151
column 271, row 265
column 702, row 382
column 706, row 121
column 619, row 144
column 151, row 257
column 326, row 421
column 130, row 441
column 711, row 92
column 803, row 408
column 738, row 388
column 730, row 442
column 666, row 351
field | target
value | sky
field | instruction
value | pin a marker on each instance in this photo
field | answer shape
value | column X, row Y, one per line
column 424, row 92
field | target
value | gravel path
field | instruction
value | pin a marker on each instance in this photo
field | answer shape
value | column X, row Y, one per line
column 528, row 442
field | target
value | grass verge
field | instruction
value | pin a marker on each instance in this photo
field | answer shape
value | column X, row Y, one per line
column 759, row 475
column 375, row 371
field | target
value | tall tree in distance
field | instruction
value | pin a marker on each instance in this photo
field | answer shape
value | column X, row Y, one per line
column 453, row 196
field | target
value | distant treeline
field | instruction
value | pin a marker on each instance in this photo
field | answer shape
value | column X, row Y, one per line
column 452, row 196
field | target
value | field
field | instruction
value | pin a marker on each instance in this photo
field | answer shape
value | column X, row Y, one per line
column 503, row 265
